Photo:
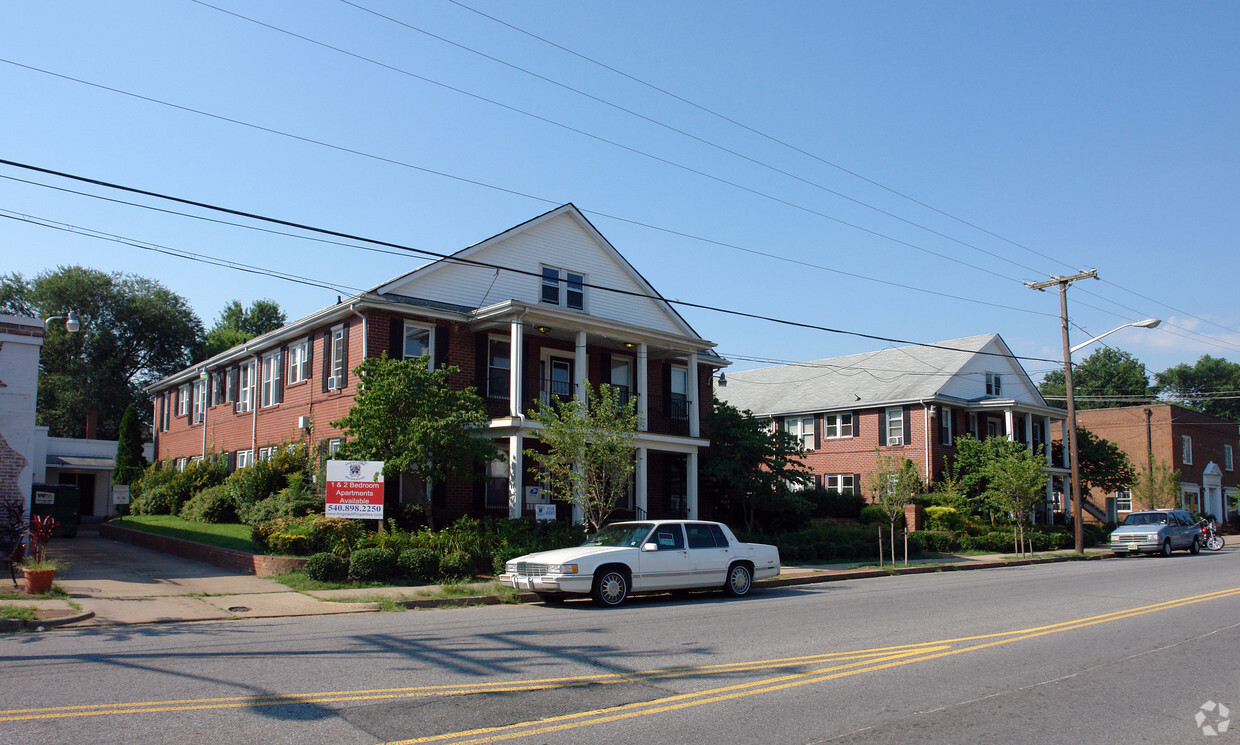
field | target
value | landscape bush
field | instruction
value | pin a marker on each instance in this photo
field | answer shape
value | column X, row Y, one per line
column 327, row 567
column 336, row 535
column 942, row 518
column 261, row 479
column 162, row 489
column 296, row 500
column 370, row 564
column 830, row 503
column 419, row 565
column 457, row 565
column 212, row 505
column 874, row 514
column 939, row 541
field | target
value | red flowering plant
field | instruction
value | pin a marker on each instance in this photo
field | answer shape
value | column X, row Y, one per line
column 39, row 533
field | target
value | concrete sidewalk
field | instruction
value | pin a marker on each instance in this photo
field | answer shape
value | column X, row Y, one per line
column 110, row 583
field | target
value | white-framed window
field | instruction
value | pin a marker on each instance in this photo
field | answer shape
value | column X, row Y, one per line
column 245, row 386
column 271, row 379
column 802, row 428
column 837, row 425
column 336, row 370
column 1123, row 500
column 165, row 411
column 1228, row 460
column 419, row 342
column 299, row 361
column 973, row 423
column 992, row 427
column 182, row 463
column 333, row 445
column 1186, row 450
column 1190, row 497
column 183, row 400
column 230, row 386
column 621, row 378
column 680, row 393
column 497, row 482
column 945, row 425
column 200, row 400
column 895, row 425
column 499, row 366
column 842, row 483
column 268, row 452
column 563, row 288
column 994, row 384
column 245, row 458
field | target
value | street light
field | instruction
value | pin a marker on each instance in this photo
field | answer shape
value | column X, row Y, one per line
column 71, row 322
column 1148, row 323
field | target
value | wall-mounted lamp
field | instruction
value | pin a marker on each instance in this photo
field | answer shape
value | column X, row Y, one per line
column 723, row 380
column 629, row 345
column 71, row 322
column 544, row 329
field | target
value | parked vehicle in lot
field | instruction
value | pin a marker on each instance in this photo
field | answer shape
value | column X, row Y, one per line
column 645, row 556
column 1157, row 531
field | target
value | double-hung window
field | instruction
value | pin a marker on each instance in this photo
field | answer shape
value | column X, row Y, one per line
column 994, row 384
column 563, row 288
column 299, row 361
column 1228, row 459
column 840, row 483
column 945, row 426
column 336, row 370
column 165, row 411
column 245, row 386
column 271, row 379
column 499, row 366
column 200, row 400
column 183, row 400
column 895, row 425
column 1186, row 450
column 245, row 458
column 1123, row 500
column 497, row 481
column 837, row 425
column 680, row 393
column 418, row 341
column 801, row 428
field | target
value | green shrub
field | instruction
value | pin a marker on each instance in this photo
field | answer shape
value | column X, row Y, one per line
column 940, row 541
column 327, row 567
column 262, row 479
column 289, row 544
column 294, row 501
column 457, row 565
column 784, row 511
column 420, row 565
column 337, row 535
column 875, row 514
column 212, row 505
column 370, row 564
column 942, row 518
column 160, row 500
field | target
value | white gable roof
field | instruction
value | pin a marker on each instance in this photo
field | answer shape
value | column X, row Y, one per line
column 952, row 370
column 563, row 239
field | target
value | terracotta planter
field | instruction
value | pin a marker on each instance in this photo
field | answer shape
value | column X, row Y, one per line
column 38, row 581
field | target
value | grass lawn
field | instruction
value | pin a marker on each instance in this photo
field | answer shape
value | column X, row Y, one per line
column 224, row 535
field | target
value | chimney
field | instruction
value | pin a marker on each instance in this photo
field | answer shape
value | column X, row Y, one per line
column 92, row 424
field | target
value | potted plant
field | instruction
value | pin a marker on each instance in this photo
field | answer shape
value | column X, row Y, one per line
column 37, row 568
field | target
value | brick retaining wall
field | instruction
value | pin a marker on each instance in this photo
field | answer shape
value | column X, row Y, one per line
column 238, row 561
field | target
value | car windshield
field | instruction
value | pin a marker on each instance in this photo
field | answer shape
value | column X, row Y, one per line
column 620, row 534
column 1146, row 518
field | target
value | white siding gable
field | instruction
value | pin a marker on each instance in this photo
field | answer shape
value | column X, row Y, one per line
column 970, row 381
column 562, row 241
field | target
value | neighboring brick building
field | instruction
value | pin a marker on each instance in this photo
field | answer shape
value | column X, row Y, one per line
column 565, row 308
column 1201, row 447
column 911, row 401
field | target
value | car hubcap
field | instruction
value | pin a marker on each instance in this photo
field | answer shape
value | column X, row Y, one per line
column 612, row 588
column 740, row 579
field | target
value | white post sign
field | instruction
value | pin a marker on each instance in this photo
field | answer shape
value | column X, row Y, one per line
column 120, row 494
column 355, row 489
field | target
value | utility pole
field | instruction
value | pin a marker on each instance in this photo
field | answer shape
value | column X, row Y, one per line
column 1078, row 528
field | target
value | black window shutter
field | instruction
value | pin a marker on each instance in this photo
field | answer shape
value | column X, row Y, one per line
column 856, row 422
column 441, row 346
column 482, row 364
column 234, row 380
column 882, row 426
column 907, row 428
column 279, row 373
column 327, row 357
column 856, row 483
column 232, row 461
column 818, row 421
column 779, row 424
column 306, row 367
column 344, row 356
column 396, row 339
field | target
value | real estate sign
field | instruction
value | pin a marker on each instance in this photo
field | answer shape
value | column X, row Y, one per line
column 355, row 489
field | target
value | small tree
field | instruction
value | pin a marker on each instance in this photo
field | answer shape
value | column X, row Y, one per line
column 893, row 484
column 748, row 462
column 1156, row 489
column 130, row 462
column 590, row 450
column 1017, row 481
column 409, row 417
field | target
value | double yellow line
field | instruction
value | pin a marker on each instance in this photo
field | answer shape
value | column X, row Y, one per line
column 827, row 666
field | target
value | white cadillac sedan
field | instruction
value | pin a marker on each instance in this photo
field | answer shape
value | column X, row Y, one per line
column 645, row 556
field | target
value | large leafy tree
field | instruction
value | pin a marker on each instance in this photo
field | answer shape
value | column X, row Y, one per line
column 748, row 463
column 589, row 450
column 238, row 324
column 1195, row 385
column 133, row 332
column 1106, row 372
column 1156, row 489
column 410, row 417
column 1103, row 465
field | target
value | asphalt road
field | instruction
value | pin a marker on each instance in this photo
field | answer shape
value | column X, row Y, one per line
column 1116, row 651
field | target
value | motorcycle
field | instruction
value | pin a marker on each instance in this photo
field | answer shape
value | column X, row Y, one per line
column 1210, row 537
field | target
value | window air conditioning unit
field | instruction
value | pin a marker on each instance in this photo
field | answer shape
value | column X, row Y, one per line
column 333, row 383
column 303, row 422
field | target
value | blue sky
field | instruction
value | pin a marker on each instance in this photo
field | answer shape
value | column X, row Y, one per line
column 902, row 167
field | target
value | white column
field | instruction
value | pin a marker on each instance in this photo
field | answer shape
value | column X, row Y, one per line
column 1009, row 423
column 691, row 483
column 516, row 469
column 516, row 365
column 643, row 387
column 1029, row 430
column 581, row 369
column 641, row 478
column 692, row 391
column 1046, row 435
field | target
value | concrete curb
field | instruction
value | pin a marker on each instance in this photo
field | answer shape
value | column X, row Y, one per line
column 18, row 624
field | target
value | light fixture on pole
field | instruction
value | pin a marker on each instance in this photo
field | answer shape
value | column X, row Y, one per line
column 1148, row 323
column 71, row 321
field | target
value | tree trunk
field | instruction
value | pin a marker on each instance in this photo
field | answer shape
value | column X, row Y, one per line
column 880, row 548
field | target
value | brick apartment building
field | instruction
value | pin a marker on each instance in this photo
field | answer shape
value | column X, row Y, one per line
column 526, row 315
column 910, row 401
column 1201, row 447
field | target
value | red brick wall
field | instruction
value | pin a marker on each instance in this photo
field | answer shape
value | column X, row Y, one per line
column 237, row 561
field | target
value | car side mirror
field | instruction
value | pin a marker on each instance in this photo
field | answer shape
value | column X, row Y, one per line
column 650, row 547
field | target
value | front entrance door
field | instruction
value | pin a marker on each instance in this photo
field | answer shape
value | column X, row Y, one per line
column 557, row 379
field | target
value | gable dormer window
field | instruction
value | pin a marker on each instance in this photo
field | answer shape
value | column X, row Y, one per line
column 994, row 384
column 563, row 288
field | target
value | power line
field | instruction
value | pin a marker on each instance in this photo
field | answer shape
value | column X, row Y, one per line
column 473, row 262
